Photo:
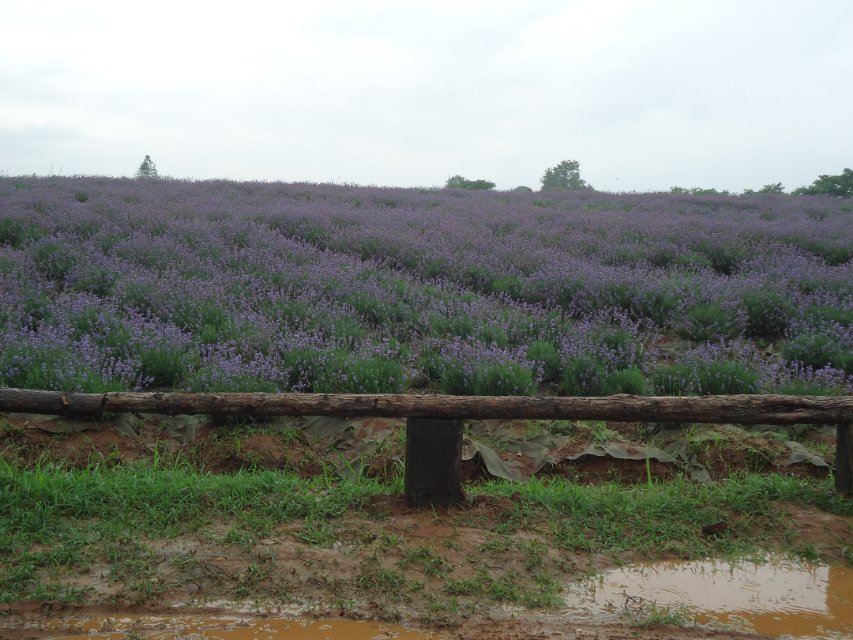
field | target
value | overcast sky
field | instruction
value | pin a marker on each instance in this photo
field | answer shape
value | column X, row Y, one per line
column 645, row 94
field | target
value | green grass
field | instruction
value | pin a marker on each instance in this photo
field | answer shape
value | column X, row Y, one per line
column 55, row 521
column 660, row 519
column 426, row 560
column 652, row 615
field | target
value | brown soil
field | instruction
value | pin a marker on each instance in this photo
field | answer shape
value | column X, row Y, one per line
column 595, row 470
column 224, row 448
column 36, row 621
column 206, row 573
column 293, row 571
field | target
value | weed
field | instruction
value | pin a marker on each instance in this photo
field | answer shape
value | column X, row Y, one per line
column 600, row 433
column 642, row 614
column 243, row 538
column 497, row 544
column 427, row 560
column 319, row 534
column 389, row 540
column 250, row 580
column 376, row 579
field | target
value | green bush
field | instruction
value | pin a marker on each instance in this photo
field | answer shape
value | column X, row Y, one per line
column 768, row 313
column 510, row 285
column 461, row 326
column 583, row 375
column 704, row 378
column 586, row 375
column 625, row 348
column 546, row 354
column 18, row 232
column 165, row 366
column 723, row 378
column 803, row 388
column 654, row 305
column 53, row 370
column 629, row 380
column 95, row 280
column 709, row 321
column 303, row 368
column 53, row 260
column 487, row 379
column 493, row 334
column 725, row 258
column 138, row 296
column 345, row 373
column 817, row 350
column 207, row 320
column 506, row 379
column 211, row 379
column 347, row 331
column 452, row 380
column 825, row 313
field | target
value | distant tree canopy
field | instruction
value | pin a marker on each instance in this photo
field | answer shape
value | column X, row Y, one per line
column 566, row 175
column 776, row 187
column 460, row 182
column 147, row 169
column 699, row 191
column 523, row 189
column 840, row 186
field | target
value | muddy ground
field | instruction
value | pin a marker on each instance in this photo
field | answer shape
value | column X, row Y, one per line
column 585, row 451
column 312, row 566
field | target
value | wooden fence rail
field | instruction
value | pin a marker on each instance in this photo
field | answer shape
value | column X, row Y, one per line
column 434, row 432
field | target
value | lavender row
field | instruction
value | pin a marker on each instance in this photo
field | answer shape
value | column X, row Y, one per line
column 113, row 284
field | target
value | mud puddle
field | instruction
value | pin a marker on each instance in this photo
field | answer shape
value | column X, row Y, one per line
column 776, row 598
column 206, row 627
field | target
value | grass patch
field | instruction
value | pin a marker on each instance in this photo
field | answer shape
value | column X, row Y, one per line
column 665, row 519
column 56, row 521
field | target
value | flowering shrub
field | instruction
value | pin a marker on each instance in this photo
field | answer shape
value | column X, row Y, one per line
column 820, row 350
column 546, row 356
column 468, row 367
column 125, row 284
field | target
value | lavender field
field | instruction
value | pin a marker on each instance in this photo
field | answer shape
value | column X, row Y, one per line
column 116, row 284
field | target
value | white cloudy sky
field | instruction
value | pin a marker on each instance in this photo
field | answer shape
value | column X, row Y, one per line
column 646, row 94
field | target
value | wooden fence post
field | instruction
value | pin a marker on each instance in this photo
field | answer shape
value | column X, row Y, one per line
column 844, row 460
column 433, row 462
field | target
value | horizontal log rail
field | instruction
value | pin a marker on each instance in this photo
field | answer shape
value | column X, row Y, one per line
column 740, row 409
column 434, row 430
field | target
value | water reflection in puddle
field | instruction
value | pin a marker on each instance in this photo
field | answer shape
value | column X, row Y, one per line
column 775, row 598
column 198, row 627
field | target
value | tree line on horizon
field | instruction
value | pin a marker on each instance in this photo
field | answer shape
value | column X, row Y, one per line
column 566, row 176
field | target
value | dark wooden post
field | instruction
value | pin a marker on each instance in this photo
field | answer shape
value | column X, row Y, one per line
column 844, row 460
column 433, row 462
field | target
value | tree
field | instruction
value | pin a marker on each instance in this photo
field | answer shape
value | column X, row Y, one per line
column 147, row 169
column 840, row 186
column 566, row 175
column 776, row 187
column 702, row 191
column 460, row 182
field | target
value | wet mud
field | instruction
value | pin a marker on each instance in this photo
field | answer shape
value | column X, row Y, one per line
column 777, row 598
column 217, row 627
